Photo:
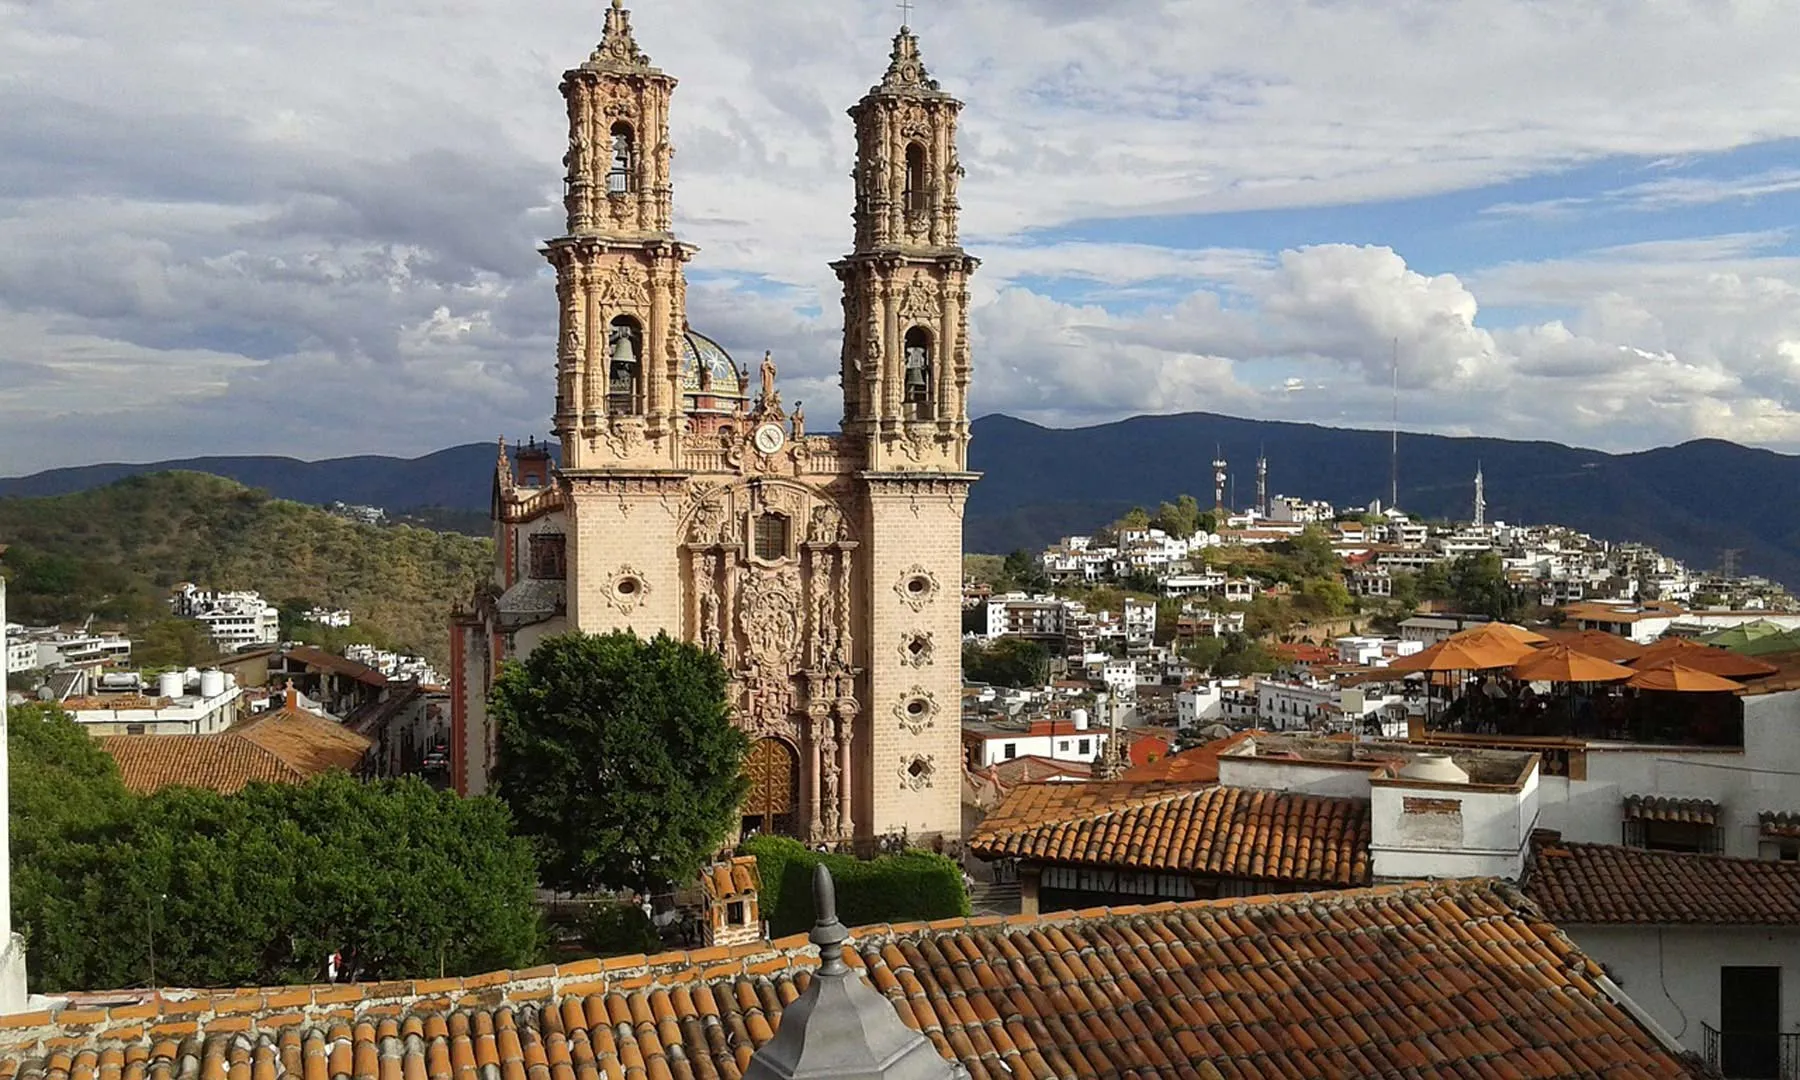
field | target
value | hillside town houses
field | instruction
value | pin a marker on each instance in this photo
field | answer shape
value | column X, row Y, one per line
column 234, row 620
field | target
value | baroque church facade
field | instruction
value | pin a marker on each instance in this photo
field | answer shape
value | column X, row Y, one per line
column 825, row 569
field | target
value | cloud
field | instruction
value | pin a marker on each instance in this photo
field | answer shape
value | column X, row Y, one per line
column 311, row 228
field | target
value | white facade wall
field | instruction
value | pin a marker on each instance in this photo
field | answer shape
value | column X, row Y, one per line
column 1445, row 831
column 1300, row 777
column 1066, row 745
column 1672, row 972
column 185, row 716
column 1765, row 776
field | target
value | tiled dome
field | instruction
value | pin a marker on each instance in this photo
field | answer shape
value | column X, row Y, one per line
column 703, row 353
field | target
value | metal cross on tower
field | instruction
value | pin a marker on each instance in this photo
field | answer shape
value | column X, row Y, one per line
column 905, row 7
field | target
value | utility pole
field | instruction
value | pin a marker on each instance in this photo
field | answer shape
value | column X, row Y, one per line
column 1394, row 449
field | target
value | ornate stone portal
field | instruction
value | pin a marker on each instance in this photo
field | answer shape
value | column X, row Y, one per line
column 778, row 611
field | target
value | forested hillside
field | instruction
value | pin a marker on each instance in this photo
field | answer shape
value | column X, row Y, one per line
column 113, row 552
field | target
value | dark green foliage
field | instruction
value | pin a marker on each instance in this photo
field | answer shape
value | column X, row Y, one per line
column 1183, row 518
column 1231, row 655
column 619, row 759
column 1009, row 661
column 255, row 888
column 1021, row 570
column 905, row 887
column 170, row 642
column 114, row 552
column 617, row 929
column 1473, row 584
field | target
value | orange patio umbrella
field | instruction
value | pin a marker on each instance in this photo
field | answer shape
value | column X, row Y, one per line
column 1708, row 658
column 1604, row 645
column 1503, row 631
column 1453, row 655
column 1681, row 679
column 1561, row 664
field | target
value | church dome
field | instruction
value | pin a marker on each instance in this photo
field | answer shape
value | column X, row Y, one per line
column 702, row 354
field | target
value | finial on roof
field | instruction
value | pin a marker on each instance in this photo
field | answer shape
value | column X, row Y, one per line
column 842, row 1027
column 617, row 48
column 906, row 68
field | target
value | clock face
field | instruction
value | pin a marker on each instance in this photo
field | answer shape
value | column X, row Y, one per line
column 769, row 438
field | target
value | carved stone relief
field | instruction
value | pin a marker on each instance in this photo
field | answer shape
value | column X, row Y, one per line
column 917, row 711
column 827, row 525
column 917, row 586
column 770, row 618
column 626, row 589
column 917, row 649
column 916, row 772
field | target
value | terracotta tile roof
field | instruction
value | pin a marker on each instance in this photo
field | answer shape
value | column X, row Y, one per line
column 224, row 763
column 288, row 746
column 1034, row 767
column 1224, row 831
column 310, row 743
column 1779, row 826
column 1603, row 883
column 730, row 880
column 1197, row 766
column 1668, row 808
column 1450, row 979
column 314, row 657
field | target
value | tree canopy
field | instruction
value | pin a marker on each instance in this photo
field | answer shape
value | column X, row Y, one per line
column 619, row 758
column 255, row 888
column 1009, row 661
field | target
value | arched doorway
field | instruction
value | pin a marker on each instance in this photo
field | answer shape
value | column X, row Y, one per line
column 774, row 795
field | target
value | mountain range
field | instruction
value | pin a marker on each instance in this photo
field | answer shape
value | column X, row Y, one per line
column 1694, row 501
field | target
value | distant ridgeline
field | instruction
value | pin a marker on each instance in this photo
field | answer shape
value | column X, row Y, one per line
column 114, row 551
column 1691, row 501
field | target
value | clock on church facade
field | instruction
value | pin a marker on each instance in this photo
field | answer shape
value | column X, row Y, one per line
column 825, row 569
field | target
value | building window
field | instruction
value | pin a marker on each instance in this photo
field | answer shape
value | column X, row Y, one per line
column 1085, row 744
column 625, row 345
column 771, row 536
column 918, row 377
column 916, row 193
column 618, row 174
column 736, row 913
column 1010, row 751
column 548, row 560
column 1673, row 836
column 1063, row 745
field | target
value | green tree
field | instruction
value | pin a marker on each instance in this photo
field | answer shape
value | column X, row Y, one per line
column 1135, row 520
column 170, row 642
column 1204, row 653
column 258, row 887
column 1478, row 585
column 1405, row 590
column 1312, row 554
column 1009, row 661
column 1325, row 598
column 1268, row 616
column 619, row 758
column 1021, row 570
column 1180, row 519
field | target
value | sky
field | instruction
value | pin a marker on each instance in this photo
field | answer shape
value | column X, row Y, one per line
column 309, row 227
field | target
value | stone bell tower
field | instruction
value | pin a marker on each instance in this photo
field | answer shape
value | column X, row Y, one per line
column 619, row 280
column 906, row 301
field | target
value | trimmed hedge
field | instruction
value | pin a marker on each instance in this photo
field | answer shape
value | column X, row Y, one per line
column 911, row 886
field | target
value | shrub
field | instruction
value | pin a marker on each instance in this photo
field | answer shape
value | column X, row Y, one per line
column 618, row 929
column 911, row 886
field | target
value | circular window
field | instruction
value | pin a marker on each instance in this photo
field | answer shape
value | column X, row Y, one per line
column 918, row 585
column 627, row 586
column 917, row 707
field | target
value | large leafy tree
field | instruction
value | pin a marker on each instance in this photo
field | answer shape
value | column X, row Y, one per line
column 258, row 887
column 1010, row 661
column 619, row 758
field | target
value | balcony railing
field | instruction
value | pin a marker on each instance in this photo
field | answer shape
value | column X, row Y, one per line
column 1752, row 1055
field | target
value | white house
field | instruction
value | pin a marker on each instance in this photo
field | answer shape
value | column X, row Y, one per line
column 1073, row 738
column 1708, row 946
column 234, row 620
column 194, row 703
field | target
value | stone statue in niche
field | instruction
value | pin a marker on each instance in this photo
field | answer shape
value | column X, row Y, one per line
column 711, row 636
column 827, row 524
column 797, row 423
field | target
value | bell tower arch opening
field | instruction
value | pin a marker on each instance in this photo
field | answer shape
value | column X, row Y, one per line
column 624, row 160
column 625, row 368
column 917, row 387
column 917, row 185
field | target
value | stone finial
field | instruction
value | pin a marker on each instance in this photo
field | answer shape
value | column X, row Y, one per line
column 618, row 48
column 906, row 68
column 842, row 1028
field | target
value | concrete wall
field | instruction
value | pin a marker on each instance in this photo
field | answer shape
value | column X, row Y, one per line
column 1302, row 777
column 1447, row 832
column 1761, row 777
column 1673, row 971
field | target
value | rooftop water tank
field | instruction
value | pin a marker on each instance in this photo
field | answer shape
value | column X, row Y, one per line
column 1437, row 768
column 212, row 683
column 169, row 684
column 1080, row 716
